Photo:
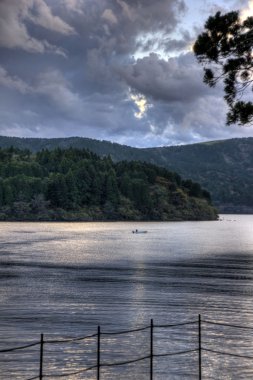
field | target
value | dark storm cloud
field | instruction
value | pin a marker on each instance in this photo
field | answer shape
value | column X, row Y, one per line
column 174, row 80
column 92, row 68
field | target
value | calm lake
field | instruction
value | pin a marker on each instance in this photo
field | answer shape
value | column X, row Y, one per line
column 65, row 279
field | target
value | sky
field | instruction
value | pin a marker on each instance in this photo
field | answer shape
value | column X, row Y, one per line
column 118, row 70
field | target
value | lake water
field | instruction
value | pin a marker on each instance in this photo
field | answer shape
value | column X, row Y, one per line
column 64, row 279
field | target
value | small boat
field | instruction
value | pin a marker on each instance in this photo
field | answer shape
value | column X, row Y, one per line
column 139, row 232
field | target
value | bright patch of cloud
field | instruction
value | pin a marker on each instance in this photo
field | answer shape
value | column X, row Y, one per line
column 248, row 11
column 142, row 104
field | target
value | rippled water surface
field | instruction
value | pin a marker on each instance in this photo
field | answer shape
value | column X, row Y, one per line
column 64, row 279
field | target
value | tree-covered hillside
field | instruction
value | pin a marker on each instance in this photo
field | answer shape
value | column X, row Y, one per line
column 75, row 184
column 224, row 168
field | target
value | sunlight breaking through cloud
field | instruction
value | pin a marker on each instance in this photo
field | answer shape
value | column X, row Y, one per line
column 248, row 11
column 94, row 68
column 142, row 104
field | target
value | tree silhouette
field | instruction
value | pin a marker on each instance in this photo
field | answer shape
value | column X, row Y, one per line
column 225, row 51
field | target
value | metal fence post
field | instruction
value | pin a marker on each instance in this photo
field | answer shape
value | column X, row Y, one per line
column 200, row 369
column 98, row 354
column 151, row 349
column 41, row 355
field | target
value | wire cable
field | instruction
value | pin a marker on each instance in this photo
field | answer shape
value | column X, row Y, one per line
column 124, row 331
column 176, row 324
column 72, row 373
column 125, row 362
column 19, row 348
column 227, row 353
column 52, row 341
column 227, row 325
column 175, row 353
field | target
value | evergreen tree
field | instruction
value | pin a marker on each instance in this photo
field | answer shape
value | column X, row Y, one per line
column 57, row 191
column 111, row 188
column 39, row 188
column 72, row 191
column 225, row 50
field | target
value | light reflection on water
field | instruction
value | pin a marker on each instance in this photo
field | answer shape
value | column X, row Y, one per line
column 64, row 279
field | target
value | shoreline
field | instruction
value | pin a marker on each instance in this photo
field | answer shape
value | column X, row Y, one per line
column 108, row 221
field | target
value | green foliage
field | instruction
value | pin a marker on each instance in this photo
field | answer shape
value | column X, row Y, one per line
column 75, row 184
column 223, row 168
column 225, row 50
column 57, row 191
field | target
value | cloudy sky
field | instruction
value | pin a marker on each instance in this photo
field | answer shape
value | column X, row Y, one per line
column 119, row 70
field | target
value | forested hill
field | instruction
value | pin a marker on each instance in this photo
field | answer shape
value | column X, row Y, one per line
column 224, row 168
column 74, row 184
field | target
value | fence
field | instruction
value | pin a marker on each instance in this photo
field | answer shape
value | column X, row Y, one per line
column 199, row 349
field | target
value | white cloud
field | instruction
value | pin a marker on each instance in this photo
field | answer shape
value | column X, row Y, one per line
column 247, row 12
column 142, row 104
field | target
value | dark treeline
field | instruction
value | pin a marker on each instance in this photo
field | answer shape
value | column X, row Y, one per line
column 224, row 168
column 74, row 184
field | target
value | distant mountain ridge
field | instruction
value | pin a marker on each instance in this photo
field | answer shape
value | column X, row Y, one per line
column 224, row 168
